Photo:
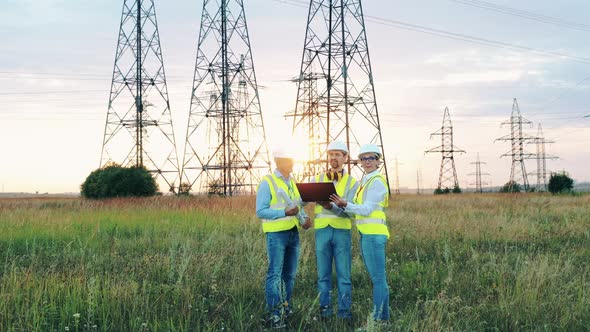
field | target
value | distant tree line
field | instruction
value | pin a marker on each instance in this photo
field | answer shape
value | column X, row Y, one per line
column 558, row 183
column 117, row 181
column 440, row 191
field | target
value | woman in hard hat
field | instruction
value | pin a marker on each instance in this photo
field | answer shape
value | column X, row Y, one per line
column 368, row 208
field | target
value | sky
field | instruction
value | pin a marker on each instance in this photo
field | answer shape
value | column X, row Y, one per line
column 57, row 59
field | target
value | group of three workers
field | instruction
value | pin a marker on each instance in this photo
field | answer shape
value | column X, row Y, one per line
column 278, row 205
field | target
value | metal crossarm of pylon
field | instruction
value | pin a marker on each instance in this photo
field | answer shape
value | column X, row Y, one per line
column 225, row 148
column 138, row 129
column 517, row 138
column 335, row 95
column 447, row 174
column 541, row 158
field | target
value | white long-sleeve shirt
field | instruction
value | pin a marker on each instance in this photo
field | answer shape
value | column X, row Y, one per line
column 375, row 194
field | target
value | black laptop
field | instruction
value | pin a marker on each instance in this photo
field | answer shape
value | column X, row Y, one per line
column 316, row 192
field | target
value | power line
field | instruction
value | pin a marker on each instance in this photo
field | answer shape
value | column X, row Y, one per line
column 561, row 95
column 43, row 101
column 473, row 39
column 53, row 74
column 56, row 92
column 47, row 92
column 457, row 36
column 71, row 74
column 477, row 115
column 524, row 14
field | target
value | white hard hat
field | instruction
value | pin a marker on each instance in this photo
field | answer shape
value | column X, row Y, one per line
column 337, row 145
column 370, row 148
column 282, row 153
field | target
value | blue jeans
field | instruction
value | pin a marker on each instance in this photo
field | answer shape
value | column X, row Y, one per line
column 282, row 249
column 334, row 244
column 373, row 252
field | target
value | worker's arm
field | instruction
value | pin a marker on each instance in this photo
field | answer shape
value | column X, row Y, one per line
column 349, row 198
column 376, row 192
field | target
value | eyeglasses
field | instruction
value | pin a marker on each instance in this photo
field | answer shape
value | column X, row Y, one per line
column 371, row 158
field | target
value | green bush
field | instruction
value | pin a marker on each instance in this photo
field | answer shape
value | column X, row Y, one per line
column 439, row 191
column 184, row 189
column 118, row 181
column 560, row 183
column 511, row 187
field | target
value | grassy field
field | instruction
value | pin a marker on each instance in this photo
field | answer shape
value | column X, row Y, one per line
column 461, row 262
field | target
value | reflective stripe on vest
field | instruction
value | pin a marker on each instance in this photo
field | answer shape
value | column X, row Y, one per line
column 374, row 223
column 370, row 221
column 277, row 203
column 324, row 218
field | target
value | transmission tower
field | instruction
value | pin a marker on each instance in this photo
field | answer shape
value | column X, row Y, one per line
column 517, row 140
column 310, row 124
column 397, row 192
column 478, row 174
column 419, row 181
column 447, row 177
column 335, row 95
column 138, row 129
column 541, row 158
column 225, row 151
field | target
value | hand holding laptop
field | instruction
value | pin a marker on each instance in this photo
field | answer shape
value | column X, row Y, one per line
column 341, row 202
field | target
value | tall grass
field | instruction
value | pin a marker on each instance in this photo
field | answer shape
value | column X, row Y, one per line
column 461, row 262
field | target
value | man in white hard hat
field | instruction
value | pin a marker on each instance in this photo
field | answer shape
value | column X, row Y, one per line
column 368, row 207
column 278, row 205
column 332, row 235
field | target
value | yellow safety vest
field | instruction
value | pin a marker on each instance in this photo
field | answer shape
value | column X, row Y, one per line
column 277, row 203
column 325, row 218
column 374, row 223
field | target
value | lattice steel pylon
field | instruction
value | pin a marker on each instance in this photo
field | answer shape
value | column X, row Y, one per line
column 478, row 175
column 335, row 96
column 517, row 138
column 541, row 158
column 310, row 124
column 448, row 173
column 397, row 192
column 225, row 149
column 419, row 181
column 138, row 129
